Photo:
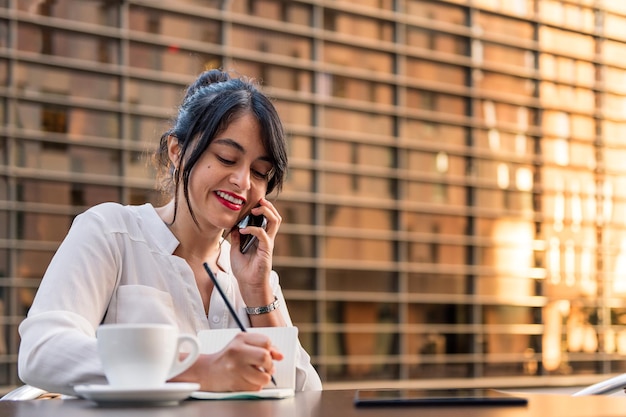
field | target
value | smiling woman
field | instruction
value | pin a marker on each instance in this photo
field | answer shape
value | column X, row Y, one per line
column 223, row 154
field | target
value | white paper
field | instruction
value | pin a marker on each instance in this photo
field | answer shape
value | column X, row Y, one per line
column 285, row 339
column 244, row 395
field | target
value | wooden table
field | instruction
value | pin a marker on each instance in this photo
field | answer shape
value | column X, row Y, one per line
column 320, row 404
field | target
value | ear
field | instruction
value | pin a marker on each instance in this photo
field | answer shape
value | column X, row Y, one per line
column 173, row 150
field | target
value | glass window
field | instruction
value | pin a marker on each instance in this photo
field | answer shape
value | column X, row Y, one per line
column 4, row 253
column 499, row 54
column 433, row 101
column 616, row 78
column 614, row 106
column 567, row 97
column 613, row 132
column 437, row 253
column 295, row 213
column 361, row 26
column 97, row 12
column 503, row 142
column 360, row 281
column 355, row 89
column 66, row 194
column 357, row 185
column 4, row 220
column 298, row 180
column 563, row 42
column 436, row 223
column 614, row 26
column 436, row 71
column 271, row 42
column 279, row 10
column 293, row 278
column 62, row 157
column 170, row 24
column 57, row 42
column 358, row 218
column 436, row 11
column 357, row 121
column 300, row 147
column 276, row 76
column 358, row 154
column 504, row 198
column 295, row 245
column 426, row 131
column 4, row 33
column 376, row 4
column 501, row 25
column 139, row 165
column 354, row 57
column 3, row 156
column 37, row 79
column 292, row 112
column 436, row 41
column 42, row 226
column 170, row 59
column 436, row 163
column 436, row 283
column 147, row 129
column 437, row 193
column 503, row 83
column 567, row 15
column 72, row 121
column 146, row 92
column 613, row 159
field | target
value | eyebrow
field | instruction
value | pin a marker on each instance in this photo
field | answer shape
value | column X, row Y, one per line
column 234, row 144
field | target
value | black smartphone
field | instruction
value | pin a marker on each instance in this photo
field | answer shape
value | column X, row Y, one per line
column 431, row 397
column 247, row 241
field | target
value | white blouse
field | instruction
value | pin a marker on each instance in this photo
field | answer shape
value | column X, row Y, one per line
column 116, row 265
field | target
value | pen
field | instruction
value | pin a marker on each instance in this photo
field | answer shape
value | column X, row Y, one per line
column 230, row 307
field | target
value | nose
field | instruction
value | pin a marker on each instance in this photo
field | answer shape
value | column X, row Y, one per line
column 241, row 178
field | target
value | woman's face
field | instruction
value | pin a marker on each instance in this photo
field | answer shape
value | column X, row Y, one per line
column 231, row 176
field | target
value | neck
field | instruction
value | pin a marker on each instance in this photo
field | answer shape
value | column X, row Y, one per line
column 194, row 244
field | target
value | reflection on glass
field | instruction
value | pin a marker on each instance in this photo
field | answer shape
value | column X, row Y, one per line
column 295, row 245
column 66, row 44
column 154, row 21
column 361, row 280
column 37, row 79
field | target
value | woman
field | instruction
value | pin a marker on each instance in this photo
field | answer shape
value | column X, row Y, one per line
column 224, row 153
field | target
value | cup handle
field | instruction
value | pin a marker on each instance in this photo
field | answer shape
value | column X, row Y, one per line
column 182, row 365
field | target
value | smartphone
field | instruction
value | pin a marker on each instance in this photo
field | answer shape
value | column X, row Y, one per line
column 432, row 397
column 247, row 241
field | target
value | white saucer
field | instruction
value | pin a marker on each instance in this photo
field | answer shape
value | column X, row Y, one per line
column 168, row 394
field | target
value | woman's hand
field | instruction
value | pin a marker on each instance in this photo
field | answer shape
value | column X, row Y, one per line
column 245, row 364
column 253, row 268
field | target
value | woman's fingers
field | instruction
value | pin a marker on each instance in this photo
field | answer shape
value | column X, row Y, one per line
column 254, row 356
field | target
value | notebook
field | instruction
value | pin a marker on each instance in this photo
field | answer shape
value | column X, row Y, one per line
column 286, row 341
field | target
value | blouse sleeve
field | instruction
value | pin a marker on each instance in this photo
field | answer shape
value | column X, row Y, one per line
column 58, row 345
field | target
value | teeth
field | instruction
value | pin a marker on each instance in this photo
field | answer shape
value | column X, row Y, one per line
column 230, row 198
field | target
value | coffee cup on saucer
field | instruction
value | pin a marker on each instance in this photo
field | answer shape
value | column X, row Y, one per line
column 143, row 356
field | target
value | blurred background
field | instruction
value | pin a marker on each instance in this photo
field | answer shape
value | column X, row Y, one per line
column 455, row 211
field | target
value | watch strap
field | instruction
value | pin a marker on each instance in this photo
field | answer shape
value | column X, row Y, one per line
column 253, row 311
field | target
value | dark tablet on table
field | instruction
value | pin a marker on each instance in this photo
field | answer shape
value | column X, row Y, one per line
column 431, row 397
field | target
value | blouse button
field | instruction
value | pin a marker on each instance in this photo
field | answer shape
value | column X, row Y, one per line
column 216, row 319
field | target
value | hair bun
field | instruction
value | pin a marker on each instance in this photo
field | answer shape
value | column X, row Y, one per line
column 205, row 79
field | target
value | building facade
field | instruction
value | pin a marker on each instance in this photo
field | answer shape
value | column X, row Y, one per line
column 455, row 207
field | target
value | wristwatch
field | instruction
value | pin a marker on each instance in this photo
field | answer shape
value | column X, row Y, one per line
column 263, row 309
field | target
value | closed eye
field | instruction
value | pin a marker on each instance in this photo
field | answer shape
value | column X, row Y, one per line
column 225, row 161
column 261, row 175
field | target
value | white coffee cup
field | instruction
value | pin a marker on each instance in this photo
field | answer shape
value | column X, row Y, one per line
column 144, row 355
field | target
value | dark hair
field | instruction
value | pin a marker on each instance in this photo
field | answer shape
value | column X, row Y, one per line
column 210, row 104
